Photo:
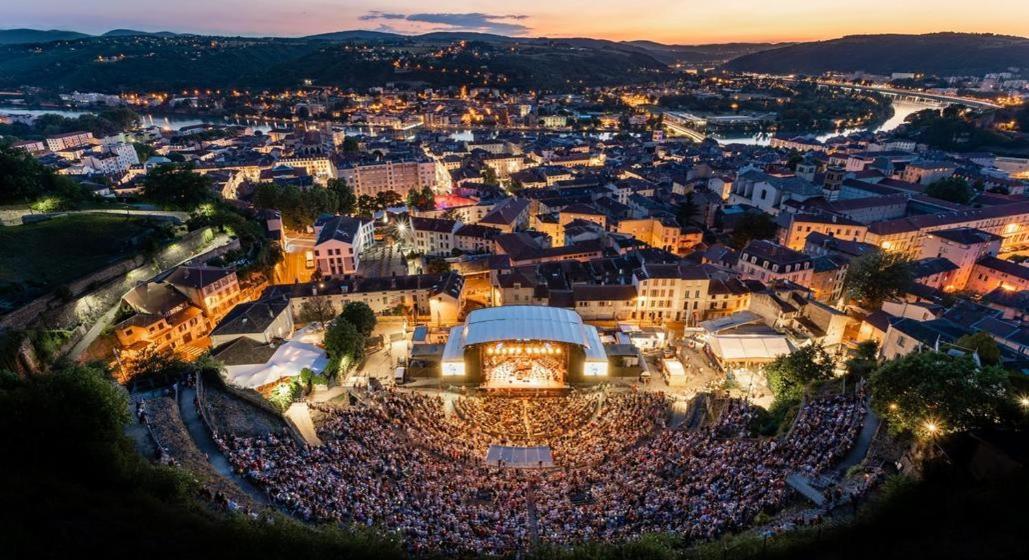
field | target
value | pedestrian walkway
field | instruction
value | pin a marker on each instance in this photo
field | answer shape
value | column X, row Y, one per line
column 300, row 416
column 801, row 484
column 525, row 419
column 864, row 441
column 137, row 432
column 205, row 443
column 533, row 515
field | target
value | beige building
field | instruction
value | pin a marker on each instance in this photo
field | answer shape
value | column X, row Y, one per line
column 1010, row 222
column 662, row 233
column 963, row 247
column 769, row 262
column 69, row 140
column 802, row 225
column 397, row 176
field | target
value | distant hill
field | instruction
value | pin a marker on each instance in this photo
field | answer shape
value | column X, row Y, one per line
column 152, row 61
column 943, row 54
column 702, row 54
column 357, row 35
column 133, row 32
column 22, row 36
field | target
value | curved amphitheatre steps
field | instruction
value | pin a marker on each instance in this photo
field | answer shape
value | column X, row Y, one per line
column 167, row 424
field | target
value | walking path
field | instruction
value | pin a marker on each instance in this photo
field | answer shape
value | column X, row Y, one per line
column 205, row 443
column 801, row 484
column 680, row 414
column 534, row 522
column 328, row 394
column 525, row 419
column 864, row 441
column 300, row 416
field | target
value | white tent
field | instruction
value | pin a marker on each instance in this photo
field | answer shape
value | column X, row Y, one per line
column 748, row 347
column 675, row 373
column 288, row 361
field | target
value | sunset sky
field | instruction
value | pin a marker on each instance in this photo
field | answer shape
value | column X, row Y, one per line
column 669, row 21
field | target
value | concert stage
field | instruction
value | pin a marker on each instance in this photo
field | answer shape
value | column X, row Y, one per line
column 524, row 347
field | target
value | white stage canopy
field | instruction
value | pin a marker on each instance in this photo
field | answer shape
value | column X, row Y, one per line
column 522, row 323
column 749, row 348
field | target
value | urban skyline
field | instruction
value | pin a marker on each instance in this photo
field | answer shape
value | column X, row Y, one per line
column 660, row 20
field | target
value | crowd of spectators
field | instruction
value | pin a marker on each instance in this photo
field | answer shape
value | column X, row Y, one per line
column 401, row 462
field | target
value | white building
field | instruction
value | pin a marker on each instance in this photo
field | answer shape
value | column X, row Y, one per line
column 340, row 242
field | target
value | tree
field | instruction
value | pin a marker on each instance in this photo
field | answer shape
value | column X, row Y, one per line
column 344, row 345
column 877, row 275
column 436, row 265
column 143, row 151
column 360, row 315
column 94, row 408
column 387, row 199
column 316, row 310
column 350, row 145
column 345, row 197
column 950, row 392
column 983, row 344
column 789, row 374
column 489, row 176
column 24, row 179
column 794, row 160
column 952, row 189
column 299, row 208
column 865, row 359
column 178, row 187
column 158, row 368
column 421, row 199
column 753, row 225
column 365, row 204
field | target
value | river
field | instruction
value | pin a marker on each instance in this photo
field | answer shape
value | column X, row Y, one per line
column 171, row 122
column 901, row 111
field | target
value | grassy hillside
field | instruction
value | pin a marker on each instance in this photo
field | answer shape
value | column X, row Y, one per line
column 36, row 258
column 944, row 54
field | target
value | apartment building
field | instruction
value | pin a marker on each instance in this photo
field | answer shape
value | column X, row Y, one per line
column 69, row 140
column 768, row 262
column 800, row 226
column 907, row 235
column 401, row 176
column 339, row 244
